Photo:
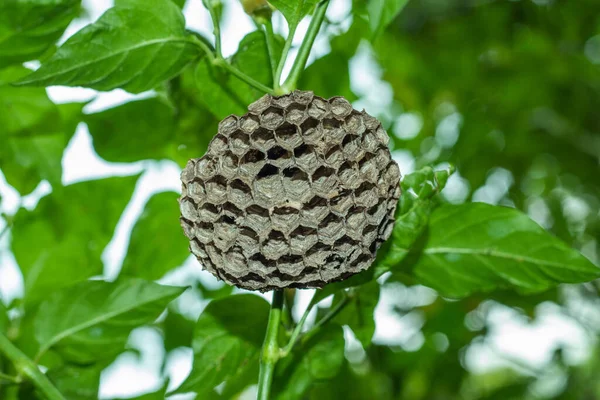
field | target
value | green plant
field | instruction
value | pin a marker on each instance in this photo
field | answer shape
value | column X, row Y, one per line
column 75, row 326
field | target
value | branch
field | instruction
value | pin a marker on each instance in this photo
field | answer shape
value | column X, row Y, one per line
column 270, row 351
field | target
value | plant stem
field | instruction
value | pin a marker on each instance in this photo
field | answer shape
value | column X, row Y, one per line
column 297, row 331
column 270, row 36
column 306, row 46
column 9, row 378
column 249, row 80
column 26, row 367
column 270, row 351
column 284, row 54
column 216, row 29
column 335, row 311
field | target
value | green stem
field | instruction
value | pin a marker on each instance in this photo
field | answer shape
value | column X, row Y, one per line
column 216, row 29
column 270, row 351
column 306, row 46
column 286, row 49
column 9, row 378
column 270, row 36
column 296, row 332
column 332, row 313
column 26, row 367
column 249, row 80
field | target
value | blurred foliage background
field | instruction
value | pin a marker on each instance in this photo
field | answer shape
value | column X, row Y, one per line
column 507, row 91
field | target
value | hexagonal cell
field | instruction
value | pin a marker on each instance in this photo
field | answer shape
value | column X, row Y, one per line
column 348, row 175
column 334, row 157
column 272, row 117
column 344, row 245
column 214, row 255
column 260, row 105
column 371, row 122
column 195, row 189
column 386, row 228
column 366, row 195
column 279, row 156
column 208, row 212
column 340, row 107
column 392, row 174
column 205, row 232
column 355, row 222
column 275, row 245
column 317, row 254
column 218, row 145
column 228, row 165
column 285, row 219
column 236, row 262
column 315, row 210
column 376, row 213
column 368, row 168
column 251, row 163
column 283, row 101
column 288, row 136
column 354, row 124
column 239, row 193
column 370, row 142
column 331, row 229
column 263, row 139
column 197, row 248
column 312, row 131
column 333, row 132
column 382, row 136
column 257, row 219
column 341, row 203
column 296, row 185
column 228, row 125
column 232, row 211
column 216, row 189
column 318, row 108
column 361, row 262
column 206, row 167
column 302, row 239
column 306, row 158
column 239, row 142
column 189, row 209
column 188, row 173
column 295, row 114
column 370, row 233
column 188, row 227
column 225, row 233
column 291, row 264
column 249, row 123
column 324, row 181
column 268, row 186
column 249, row 240
column 352, row 148
column 382, row 158
column 303, row 96
column 261, row 265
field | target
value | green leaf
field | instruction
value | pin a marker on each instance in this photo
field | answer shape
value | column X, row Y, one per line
column 318, row 359
column 137, row 130
column 30, row 27
column 92, row 320
column 178, row 330
column 227, row 340
column 382, row 13
column 295, row 10
column 328, row 76
column 157, row 244
column 3, row 318
column 359, row 313
column 60, row 242
column 34, row 133
column 478, row 248
column 135, row 45
column 224, row 94
column 79, row 382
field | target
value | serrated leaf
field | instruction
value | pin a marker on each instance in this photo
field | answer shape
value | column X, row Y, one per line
column 318, row 359
column 359, row 313
column 382, row 13
column 227, row 340
column 135, row 45
column 478, row 247
column 28, row 28
column 60, row 242
column 294, row 10
column 157, row 244
column 224, row 94
column 134, row 131
column 92, row 320
column 34, row 133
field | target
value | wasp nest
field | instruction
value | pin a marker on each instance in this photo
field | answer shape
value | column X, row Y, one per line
column 299, row 192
